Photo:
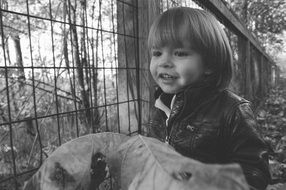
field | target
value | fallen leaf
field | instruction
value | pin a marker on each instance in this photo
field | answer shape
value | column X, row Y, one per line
column 73, row 165
column 150, row 164
column 135, row 163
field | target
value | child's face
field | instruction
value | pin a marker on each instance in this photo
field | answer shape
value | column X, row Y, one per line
column 173, row 69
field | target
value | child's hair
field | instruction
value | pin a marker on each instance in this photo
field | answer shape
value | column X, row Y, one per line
column 199, row 30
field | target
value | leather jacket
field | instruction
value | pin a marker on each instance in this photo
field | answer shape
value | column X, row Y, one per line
column 213, row 126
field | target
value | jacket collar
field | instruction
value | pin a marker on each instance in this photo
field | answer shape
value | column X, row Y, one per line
column 162, row 106
column 189, row 99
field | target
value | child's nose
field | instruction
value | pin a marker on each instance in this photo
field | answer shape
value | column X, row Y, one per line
column 166, row 61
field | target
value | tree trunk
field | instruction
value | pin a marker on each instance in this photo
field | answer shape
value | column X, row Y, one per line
column 95, row 112
column 67, row 62
column 80, row 74
column 244, row 12
column 18, row 59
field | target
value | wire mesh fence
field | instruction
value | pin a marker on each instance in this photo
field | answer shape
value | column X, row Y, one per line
column 62, row 76
column 73, row 67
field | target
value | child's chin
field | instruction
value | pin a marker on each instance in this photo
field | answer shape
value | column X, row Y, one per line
column 170, row 91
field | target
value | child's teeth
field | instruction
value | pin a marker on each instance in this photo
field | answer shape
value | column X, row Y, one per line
column 167, row 76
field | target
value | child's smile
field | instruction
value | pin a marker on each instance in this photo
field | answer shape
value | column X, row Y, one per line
column 167, row 78
column 173, row 69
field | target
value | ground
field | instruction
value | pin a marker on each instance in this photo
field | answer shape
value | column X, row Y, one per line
column 271, row 116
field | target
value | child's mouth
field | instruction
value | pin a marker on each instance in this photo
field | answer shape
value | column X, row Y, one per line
column 166, row 76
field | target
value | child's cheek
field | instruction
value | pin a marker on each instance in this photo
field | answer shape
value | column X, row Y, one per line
column 193, row 75
column 152, row 70
column 190, row 77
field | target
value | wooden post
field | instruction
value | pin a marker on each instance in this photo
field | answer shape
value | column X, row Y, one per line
column 127, row 44
column 260, row 88
column 244, row 61
column 133, row 54
column 255, row 75
column 147, row 10
column 277, row 75
column 273, row 75
column 248, row 85
column 267, row 76
column 153, row 12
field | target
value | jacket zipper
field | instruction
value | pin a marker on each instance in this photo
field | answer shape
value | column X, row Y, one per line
column 168, row 135
column 167, row 138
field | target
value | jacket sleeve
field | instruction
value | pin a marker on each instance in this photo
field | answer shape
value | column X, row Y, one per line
column 247, row 147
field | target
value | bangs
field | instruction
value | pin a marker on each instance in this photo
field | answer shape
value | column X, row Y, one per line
column 174, row 29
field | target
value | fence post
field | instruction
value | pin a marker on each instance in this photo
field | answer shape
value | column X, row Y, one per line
column 261, row 82
column 265, row 78
column 244, row 60
column 127, row 62
column 147, row 11
column 277, row 75
column 268, row 76
column 153, row 12
column 142, row 65
column 248, row 85
column 133, row 53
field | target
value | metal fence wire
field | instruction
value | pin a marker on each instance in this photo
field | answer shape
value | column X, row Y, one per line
column 62, row 76
column 74, row 67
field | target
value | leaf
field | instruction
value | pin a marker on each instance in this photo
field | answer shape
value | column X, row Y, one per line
column 278, row 186
column 71, row 165
column 262, row 114
column 135, row 163
column 150, row 164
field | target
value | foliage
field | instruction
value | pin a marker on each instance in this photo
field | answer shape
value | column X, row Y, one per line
column 265, row 19
column 50, row 89
column 272, row 118
column 134, row 163
column 15, row 24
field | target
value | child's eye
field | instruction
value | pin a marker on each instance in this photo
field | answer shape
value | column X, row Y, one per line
column 181, row 53
column 156, row 53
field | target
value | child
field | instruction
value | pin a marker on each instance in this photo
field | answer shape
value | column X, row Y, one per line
column 194, row 112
